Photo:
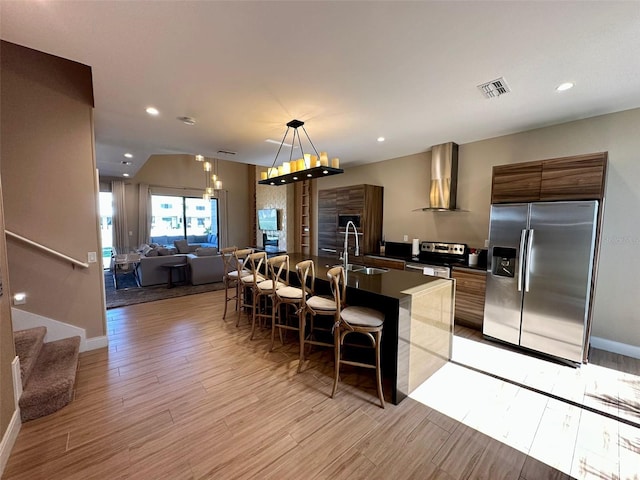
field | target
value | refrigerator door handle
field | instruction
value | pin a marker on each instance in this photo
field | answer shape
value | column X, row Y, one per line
column 523, row 236
column 528, row 266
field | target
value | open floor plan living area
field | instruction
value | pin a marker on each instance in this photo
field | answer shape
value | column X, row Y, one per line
column 296, row 239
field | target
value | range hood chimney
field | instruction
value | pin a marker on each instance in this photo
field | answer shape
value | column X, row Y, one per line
column 444, row 177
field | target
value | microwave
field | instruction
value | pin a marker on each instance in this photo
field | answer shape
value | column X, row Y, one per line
column 346, row 218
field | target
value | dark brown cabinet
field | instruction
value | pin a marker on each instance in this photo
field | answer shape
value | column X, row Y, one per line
column 580, row 177
column 364, row 201
column 470, row 292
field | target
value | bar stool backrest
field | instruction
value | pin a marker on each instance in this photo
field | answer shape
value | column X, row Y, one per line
column 337, row 281
column 279, row 269
column 229, row 260
column 306, row 271
column 254, row 263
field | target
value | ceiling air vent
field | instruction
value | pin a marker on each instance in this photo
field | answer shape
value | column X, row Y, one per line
column 494, row 88
column 226, row 152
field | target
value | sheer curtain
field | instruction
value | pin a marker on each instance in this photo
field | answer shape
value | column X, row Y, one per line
column 119, row 220
column 144, row 213
column 223, row 219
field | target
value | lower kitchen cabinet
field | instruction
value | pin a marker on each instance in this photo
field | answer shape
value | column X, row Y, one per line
column 470, row 292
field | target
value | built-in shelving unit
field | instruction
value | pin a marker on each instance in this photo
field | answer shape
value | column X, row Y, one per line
column 303, row 192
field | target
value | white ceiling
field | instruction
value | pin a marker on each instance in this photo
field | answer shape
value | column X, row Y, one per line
column 352, row 70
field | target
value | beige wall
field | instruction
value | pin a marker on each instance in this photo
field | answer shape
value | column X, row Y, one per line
column 49, row 185
column 185, row 176
column 7, row 348
column 281, row 198
column 406, row 182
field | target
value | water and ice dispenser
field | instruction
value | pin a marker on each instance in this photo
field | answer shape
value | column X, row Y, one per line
column 503, row 263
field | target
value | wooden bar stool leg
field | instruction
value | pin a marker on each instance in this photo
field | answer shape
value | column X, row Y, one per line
column 302, row 321
column 378, row 368
column 338, row 342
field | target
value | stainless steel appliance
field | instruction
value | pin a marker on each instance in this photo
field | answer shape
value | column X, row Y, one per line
column 539, row 270
column 437, row 258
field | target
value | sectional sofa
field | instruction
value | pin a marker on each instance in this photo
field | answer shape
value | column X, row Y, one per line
column 203, row 268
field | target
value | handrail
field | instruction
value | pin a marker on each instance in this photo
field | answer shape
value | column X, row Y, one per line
column 47, row 249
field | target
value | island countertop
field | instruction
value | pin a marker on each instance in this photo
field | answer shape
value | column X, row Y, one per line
column 418, row 325
column 390, row 284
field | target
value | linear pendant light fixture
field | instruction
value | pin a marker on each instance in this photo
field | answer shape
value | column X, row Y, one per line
column 299, row 169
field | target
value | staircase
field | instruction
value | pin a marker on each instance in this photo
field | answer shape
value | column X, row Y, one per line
column 48, row 372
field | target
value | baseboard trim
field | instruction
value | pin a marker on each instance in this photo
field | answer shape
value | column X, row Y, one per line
column 9, row 439
column 56, row 330
column 94, row 343
column 615, row 347
column 17, row 380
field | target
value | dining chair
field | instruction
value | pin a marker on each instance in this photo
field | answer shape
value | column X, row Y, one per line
column 253, row 263
column 354, row 319
column 310, row 308
column 287, row 297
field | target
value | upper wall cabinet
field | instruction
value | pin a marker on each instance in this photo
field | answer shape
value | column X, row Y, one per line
column 580, row 177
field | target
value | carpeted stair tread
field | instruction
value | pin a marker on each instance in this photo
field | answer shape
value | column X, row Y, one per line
column 50, row 386
column 28, row 345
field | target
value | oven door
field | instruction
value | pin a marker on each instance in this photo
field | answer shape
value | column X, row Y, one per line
column 433, row 270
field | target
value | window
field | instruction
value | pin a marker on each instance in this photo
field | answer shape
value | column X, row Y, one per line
column 176, row 218
column 106, row 231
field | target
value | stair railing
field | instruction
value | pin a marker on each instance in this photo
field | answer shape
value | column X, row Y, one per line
column 53, row 252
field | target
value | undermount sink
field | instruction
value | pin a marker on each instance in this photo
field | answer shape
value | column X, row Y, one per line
column 371, row 270
column 352, row 267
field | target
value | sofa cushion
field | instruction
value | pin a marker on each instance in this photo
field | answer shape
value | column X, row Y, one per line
column 163, row 251
column 152, row 253
column 206, row 251
column 181, row 245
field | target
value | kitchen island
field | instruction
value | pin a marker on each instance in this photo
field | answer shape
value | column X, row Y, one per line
column 418, row 327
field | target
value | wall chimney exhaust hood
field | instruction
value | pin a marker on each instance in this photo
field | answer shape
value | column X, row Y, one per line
column 444, row 178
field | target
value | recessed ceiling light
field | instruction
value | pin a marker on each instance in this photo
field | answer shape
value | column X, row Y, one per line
column 152, row 111
column 187, row 120
column 125, row 174
column 128, row 155
column 564, row 86
column 381, row 139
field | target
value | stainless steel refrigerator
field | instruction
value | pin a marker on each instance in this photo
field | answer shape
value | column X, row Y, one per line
column 540, row 264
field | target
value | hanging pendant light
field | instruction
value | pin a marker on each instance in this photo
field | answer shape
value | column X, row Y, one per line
column 305, row 167
column 212, row 182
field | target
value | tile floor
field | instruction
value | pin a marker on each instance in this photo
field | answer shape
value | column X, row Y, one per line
column 581, row 442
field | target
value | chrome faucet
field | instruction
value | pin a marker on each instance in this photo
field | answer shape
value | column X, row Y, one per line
column 345, row 253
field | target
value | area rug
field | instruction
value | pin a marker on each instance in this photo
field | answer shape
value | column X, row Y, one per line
column 129, row 293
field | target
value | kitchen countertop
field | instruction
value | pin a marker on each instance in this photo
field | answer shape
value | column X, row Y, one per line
column 390, row 284
column 471, row 269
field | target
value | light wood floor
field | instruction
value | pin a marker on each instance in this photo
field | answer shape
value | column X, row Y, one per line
column 181, row 394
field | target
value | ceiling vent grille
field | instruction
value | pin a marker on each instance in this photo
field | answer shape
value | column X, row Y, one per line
column 226, row 152
column 494, row 88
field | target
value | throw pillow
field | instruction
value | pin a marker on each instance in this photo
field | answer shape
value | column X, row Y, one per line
column 146, row 249
column 152, row 253
column 163, row 251
column 206, row 251
column 181, row 245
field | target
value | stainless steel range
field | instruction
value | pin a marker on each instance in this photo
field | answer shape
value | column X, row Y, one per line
column 437, row 258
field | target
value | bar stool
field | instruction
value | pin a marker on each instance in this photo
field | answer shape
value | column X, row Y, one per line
column 231, row 274
column 294, row 296
column 355, row 319
column 278, row 277
column 315, row 305
column 249, row 284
